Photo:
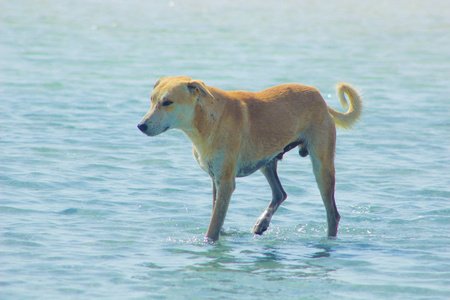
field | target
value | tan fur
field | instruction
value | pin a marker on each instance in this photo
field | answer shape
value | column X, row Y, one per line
column 237, row 133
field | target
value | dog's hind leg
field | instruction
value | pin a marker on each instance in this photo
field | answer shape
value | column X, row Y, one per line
column 278, row 196
column 322, row 158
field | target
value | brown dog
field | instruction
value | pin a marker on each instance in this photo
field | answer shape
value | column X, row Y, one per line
column 237, row 133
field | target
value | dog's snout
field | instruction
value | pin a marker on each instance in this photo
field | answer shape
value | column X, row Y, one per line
column 143, row 127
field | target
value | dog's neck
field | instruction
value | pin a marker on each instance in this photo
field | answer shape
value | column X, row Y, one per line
column 206, row 119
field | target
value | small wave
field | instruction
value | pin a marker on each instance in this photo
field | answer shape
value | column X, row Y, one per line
column 84, row 212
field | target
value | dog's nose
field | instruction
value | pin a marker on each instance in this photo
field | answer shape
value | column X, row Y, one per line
column 142, row 127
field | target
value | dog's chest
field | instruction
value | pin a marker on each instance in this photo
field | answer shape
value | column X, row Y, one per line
column 211, row 164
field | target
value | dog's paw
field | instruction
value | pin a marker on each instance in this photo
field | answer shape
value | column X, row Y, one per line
column 261, row 225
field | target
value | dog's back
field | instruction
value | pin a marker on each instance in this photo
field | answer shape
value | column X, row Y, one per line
column 269, row 120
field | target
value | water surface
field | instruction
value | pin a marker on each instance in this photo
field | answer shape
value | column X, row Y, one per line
column 90, row 208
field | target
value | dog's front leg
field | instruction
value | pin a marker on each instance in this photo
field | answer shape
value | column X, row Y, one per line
column 214, row 193
column 224, row 189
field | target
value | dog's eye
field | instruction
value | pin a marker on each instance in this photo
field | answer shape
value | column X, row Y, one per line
column 167, row 103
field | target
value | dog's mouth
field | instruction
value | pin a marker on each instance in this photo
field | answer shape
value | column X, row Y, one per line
column 147, row 132
column 165, row 129
column 155, row 134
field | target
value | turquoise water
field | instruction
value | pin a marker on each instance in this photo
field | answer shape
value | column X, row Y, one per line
column 90, row 208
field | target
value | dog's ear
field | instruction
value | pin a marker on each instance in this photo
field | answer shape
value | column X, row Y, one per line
column 157, row 82
column 198, row 87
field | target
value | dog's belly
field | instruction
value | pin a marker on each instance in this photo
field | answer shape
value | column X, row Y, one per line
column 248, row 168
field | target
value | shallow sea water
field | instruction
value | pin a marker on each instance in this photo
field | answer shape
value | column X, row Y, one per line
column 90, row 208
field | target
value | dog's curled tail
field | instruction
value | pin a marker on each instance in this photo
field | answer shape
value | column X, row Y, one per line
column 347, row 120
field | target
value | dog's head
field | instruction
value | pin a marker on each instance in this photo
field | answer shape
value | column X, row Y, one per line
column 173, row 101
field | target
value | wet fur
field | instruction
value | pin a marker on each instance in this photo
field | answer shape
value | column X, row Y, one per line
column 237, row 133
